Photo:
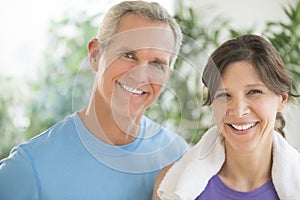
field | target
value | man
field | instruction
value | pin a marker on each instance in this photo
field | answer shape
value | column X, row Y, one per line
column 108, row 150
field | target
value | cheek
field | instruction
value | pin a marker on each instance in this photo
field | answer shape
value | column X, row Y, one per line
column 119, row 67
column 157, row 88
column 266, row 109
column 106, row 81
column 219, row 112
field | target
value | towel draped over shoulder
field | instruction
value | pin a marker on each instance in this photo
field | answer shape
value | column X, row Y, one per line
column 188, row 177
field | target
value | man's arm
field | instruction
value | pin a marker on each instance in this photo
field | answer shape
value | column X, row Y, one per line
column 17, row 177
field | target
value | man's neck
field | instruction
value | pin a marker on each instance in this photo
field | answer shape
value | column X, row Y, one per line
column 102, row 124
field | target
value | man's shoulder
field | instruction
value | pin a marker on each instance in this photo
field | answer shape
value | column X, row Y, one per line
column 46, row 147
column 162, row 136
column 157, row 129
column 55, row 135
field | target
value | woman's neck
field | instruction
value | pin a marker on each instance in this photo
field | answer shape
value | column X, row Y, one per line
column 246, row 172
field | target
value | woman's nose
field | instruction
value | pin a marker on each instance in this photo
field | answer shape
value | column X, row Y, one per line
column 239, row 107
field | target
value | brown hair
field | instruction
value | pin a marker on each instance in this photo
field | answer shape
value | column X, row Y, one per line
column 264, row 58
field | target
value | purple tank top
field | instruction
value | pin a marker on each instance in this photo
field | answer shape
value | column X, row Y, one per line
column 216, row 189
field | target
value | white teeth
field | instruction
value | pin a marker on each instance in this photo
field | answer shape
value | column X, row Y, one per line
column 243, row 127
column 130, row 89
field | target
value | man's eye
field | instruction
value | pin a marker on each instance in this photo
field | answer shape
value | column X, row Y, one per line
column 158, row 66
column 129, row 55
column 255, row 91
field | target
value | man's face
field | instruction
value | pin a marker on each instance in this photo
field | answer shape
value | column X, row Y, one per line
column 135, row 66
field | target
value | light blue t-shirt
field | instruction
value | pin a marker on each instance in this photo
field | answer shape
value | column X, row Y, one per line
column 216, row 189
column 67, row 162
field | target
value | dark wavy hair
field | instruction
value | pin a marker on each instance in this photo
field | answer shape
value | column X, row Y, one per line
column 262, row 55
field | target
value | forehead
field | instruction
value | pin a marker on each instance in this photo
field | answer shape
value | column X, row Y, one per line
column 241, row 70
column 135, row 32
column 239, row 74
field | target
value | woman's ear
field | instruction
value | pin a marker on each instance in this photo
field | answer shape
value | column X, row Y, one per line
column 94, row 53
column 283, row 99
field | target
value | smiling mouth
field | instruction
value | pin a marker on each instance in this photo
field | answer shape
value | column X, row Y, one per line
column 243, row 127
column 130, row 89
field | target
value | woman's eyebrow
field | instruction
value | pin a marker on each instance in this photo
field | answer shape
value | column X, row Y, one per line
column 256, row 85
column 221, row 89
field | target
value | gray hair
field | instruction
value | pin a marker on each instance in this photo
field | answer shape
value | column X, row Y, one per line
column 151, row 11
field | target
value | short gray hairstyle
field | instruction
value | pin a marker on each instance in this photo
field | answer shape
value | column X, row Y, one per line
column 151, row 11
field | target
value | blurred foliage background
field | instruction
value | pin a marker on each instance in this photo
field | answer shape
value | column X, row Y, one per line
column 65, row 80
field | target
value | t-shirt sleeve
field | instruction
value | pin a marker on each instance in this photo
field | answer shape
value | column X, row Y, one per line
column 18, row 176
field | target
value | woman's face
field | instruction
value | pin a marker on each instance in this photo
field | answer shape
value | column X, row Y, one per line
column 245, row 109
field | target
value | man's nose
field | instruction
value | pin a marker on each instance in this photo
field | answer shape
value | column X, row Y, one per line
column 139, row 72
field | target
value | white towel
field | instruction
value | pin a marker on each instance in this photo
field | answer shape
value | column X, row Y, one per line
column 187, row 178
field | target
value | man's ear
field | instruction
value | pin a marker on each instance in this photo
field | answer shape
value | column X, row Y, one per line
column 94, row 53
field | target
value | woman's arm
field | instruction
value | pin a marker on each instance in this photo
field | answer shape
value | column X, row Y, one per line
column 158, row 180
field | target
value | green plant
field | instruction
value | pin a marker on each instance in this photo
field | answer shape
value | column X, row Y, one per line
column 12, row 120
column 57, row 91
column 285, row 36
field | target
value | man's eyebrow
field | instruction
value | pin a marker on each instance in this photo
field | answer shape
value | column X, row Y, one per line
column 126, row 49
column 129, row 50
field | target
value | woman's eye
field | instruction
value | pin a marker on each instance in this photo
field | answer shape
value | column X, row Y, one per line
column 221, row 95
column 255, row 91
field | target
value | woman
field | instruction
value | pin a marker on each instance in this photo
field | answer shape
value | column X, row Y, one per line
column 245, row 156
